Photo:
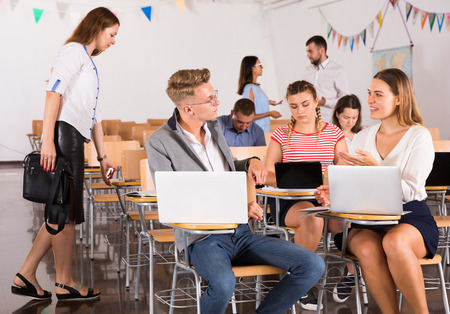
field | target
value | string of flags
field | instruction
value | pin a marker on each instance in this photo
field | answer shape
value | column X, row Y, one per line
column 412, row 12
column 64, row 6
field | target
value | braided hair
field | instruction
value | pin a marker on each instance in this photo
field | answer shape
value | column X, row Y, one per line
column 300, row 87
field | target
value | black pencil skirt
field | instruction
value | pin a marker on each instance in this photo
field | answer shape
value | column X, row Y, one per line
column 69, row 143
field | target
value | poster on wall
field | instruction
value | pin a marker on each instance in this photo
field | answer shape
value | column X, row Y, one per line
column 400, row 58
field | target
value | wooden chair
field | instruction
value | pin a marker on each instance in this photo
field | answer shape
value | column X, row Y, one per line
column 156, row 122
column 441, row 146
column 249, row 151
column 145, row 134
column 267, row 136
column 125, row 130
column 435, row 134
column 111, row 127
column 276, row 123
column 36, row 133
column 136, row 132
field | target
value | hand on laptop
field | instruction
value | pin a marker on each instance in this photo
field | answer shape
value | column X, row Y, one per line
column 256, row 172
column 362, row 159
column 255, row 212
column 323, row 195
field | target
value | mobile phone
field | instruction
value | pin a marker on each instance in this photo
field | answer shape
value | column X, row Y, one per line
column 110, row 173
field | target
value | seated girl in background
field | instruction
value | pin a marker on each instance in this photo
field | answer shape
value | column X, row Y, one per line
column 388, row 255
column 347, row 116
column 305, row 138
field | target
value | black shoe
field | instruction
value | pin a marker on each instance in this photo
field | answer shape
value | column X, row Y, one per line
column 343, row 289
column 309, row 301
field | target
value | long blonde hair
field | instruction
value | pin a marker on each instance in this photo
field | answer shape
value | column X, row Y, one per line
column 300, row 87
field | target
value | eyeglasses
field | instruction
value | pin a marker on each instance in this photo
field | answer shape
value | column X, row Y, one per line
column 211, row 102
column 258, row 65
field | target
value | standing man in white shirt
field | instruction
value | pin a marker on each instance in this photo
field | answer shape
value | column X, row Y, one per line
column 328, row 77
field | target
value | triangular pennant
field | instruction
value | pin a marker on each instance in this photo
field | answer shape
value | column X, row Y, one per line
column 345, row 41
column 180, row 4
column 431, row 19
column 352, row 42
column 37, row 14
column 333, row 35
column 148, row 12
column 329, row 31
column 371, row 29
column 394, row 3
column 62, row 9
column 13, row 3
column 339, row 40
column 363, row 36
column 415, row 15
column 356, row 38
column 447, row 21
column 423, row 17
column 408, row 10
column 379, row 19
column 440, row 20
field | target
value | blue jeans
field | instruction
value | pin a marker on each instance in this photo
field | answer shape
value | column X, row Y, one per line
column 213, row 257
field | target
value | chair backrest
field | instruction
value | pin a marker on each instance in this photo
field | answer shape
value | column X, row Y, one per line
column 113, row 150
column 130, row 163
column 146, row 134
column 435, row 134
column 267, row 137
column 111, row 138
column 125, row 130
column 441, row 146
column 146, row 177
column 156, row 122
column 249, row 151
column 276, row 123
column 136, row 132
column 106, row 138
column 37, row 126
column 111, row 127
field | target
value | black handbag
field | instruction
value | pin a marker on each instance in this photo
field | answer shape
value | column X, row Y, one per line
column 50, row 188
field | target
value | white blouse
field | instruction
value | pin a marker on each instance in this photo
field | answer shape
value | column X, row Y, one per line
column 414, row 154
column 74, row 76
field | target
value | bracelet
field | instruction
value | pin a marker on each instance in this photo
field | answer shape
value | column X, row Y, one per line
column 100, row 159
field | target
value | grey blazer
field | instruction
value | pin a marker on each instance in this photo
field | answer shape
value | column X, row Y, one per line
column 168, row 150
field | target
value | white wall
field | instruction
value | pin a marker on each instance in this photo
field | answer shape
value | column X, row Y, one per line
column 210, row 34
column 291, row 26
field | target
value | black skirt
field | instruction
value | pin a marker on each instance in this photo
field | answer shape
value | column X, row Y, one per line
column 285, row 205
column 419, row 217
column 69, row 143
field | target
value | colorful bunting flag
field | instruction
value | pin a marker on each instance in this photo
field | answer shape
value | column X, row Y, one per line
column 13, row 3
column 180, row 4
column 394, row 3
column 339, row 40
column 423, row 17
column 431, row 19
column 356, row 38
column 371, row 29
column 415, row 15
column 329, row 31
column 333, row 35
column 148, row 12
column 447, row 21
column 440, row 20
column 363, row 36
column 37, row 14
column 62, row 8
column 344, row 41
column 379, row 19
column 352, row 42
column 408, row 10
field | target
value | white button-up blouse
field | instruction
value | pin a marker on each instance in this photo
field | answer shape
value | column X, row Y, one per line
column 75, row 77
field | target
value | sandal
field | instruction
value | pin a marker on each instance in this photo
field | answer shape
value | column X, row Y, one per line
column 74, row 293
column 30, row 290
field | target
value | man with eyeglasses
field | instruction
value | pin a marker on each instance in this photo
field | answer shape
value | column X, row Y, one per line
column 192, row 140
column 238, row 127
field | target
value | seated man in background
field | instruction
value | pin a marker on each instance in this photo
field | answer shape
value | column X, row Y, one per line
column 192, row 141
column 238, row 127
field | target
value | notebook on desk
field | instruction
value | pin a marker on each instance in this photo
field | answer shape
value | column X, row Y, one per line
column 365, row 190
column 440, row 174
column 201, row 197
column 298, row 176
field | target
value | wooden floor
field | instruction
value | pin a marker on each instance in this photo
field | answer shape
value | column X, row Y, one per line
column 19, row 222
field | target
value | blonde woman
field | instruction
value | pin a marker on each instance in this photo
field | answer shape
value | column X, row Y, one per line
column 388, row 255
column 305, row 138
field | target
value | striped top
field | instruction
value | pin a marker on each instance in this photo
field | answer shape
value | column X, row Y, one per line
column 304, row 147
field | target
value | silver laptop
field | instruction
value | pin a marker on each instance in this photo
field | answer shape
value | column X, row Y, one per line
column 365, row 190
column 201, row 197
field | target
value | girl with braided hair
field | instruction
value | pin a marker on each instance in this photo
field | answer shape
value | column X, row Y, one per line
column 306, row 138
